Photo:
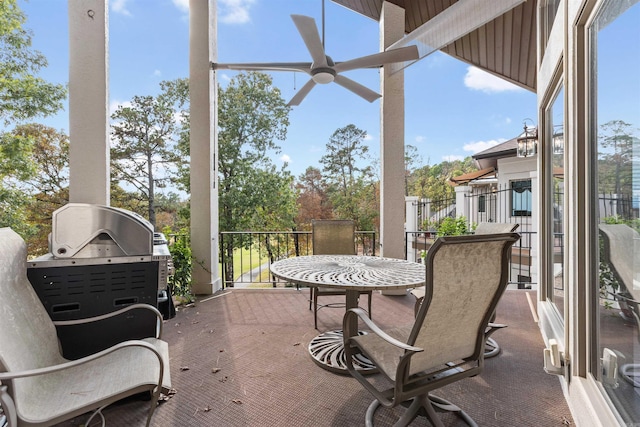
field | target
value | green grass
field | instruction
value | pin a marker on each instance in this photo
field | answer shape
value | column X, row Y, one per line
column 242, row 260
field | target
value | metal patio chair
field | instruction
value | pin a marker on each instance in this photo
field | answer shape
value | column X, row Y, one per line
column 492, row 347
column 623, row 258
column 332, row 237
column 38, row 387
column 446, row 341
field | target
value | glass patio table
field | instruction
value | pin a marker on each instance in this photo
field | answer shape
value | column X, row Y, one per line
column 352, row 273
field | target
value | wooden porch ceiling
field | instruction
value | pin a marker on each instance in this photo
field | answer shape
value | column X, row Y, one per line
column 505, row 47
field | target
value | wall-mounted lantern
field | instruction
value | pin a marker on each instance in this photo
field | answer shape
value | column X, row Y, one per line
column 528, row 141
column 558, row 140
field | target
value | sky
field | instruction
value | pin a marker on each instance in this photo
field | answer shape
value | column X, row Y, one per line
column 453, row 110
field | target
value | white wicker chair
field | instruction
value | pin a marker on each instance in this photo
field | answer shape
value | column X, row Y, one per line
column 38, row 387
column 446, row 342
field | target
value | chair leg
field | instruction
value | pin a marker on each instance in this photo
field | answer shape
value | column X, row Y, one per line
column 445, row 405
column 427, row 402
column 370, row 295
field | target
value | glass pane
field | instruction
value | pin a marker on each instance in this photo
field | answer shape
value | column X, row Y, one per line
column 521, row 198
column 555, row 142
column 548, row 14
column 616, row 87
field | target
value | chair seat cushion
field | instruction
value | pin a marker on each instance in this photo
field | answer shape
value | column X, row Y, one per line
column 384, row 355
column 127, row 371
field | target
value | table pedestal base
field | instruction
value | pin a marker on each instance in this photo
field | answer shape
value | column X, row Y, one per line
column 327, row 350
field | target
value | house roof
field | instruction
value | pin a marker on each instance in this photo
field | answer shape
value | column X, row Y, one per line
column 489, row 157
column 505, row 47
column 471, row 176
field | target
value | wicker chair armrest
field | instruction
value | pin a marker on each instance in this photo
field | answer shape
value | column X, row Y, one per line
column 116, row 313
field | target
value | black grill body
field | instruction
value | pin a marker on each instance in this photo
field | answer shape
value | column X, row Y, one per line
column 82, row 282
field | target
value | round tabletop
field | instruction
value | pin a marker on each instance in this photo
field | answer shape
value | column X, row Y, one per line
column 351, row 272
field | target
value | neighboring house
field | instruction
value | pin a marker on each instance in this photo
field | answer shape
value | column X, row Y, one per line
column 500, row 191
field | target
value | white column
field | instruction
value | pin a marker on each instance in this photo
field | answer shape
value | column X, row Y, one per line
column 411, row 224
column 89, row 102
column 391, row 140
column 203, row 50
column 463, row 206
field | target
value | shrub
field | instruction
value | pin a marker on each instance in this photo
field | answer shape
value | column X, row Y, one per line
column 180, row 281
column 452, row 226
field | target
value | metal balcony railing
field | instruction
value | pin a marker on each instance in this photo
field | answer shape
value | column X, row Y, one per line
column 246, row 256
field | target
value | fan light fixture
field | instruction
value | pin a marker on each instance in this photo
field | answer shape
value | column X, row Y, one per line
column 528, row 141
column 323, row 76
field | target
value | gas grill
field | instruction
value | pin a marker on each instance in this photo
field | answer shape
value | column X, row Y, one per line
column 100, row 260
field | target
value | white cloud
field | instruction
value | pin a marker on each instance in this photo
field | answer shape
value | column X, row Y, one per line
column 157, row 73
column 420, row 139
column 452, row 157
column 178, row 117
column 120, row 6
column 477, row 79
column 183, row 5
column 234, row 11
column 368, row 137
column 285, row 158
column 476, row 147
column 113, row 105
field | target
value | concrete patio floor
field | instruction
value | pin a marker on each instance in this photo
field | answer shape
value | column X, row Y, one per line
column 240, row 359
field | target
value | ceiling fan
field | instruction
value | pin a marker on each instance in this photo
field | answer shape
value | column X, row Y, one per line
column 323, row 70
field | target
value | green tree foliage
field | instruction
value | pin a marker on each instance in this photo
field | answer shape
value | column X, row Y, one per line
column 145, row 134
column 23, row 95
column 49, row 184
column 252, row 116
column 313, row 199
column 432, row 181
column 33, row 181
column 351, row 187
column 411, row 160
column 615, row 157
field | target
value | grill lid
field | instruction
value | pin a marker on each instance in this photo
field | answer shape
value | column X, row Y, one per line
column 82, row 230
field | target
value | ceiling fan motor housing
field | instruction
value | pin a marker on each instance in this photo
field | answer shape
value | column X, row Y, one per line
column 323, row 75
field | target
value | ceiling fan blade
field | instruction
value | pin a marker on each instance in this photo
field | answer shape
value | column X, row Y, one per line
column 309, row 32
column 304, row 91
column 403, row 54
column 357, row 88
column 266, row 66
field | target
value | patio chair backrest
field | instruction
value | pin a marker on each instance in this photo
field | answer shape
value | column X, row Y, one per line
column 495, row 227
column 333, row 237
column 28, row 337
column 619, row 251
column 466, row 275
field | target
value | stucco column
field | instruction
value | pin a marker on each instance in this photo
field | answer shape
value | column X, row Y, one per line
column 463, row 205
column 89, row 102
column 391, row 140
column 411, row 224
column 203, row 49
